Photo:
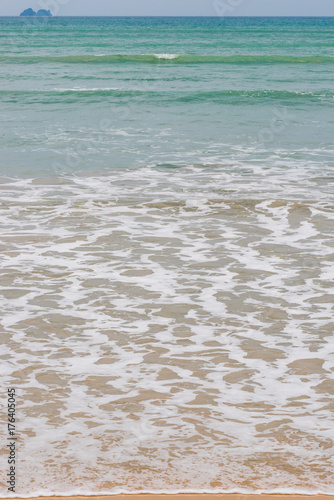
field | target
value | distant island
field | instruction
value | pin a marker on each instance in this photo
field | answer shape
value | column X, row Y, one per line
column 39, row 13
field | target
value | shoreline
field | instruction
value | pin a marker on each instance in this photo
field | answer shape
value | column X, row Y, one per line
column 189, row 496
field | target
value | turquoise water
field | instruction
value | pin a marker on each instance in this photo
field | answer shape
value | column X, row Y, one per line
column 103, row 93
column 166, row 236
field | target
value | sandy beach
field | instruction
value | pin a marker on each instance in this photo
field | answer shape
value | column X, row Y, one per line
column 196, row 496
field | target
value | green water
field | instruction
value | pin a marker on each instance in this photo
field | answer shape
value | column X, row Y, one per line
column 103, row 93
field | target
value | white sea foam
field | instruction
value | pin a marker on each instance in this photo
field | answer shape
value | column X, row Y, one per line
column 85, row 89
column 166, row 56
column 170, row 330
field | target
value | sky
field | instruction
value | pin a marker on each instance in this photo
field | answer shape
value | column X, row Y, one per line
column 173, row 7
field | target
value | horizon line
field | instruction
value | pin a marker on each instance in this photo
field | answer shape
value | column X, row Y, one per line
column 178, row 16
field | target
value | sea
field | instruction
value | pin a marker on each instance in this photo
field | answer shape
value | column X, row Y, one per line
column 166, row 282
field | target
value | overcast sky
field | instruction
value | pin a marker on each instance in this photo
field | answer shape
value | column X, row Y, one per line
column 173, row 7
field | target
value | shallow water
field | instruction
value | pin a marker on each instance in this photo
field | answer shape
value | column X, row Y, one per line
column 167, row 254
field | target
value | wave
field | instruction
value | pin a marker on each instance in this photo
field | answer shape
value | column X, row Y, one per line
column 219, row 96
column 169, row 59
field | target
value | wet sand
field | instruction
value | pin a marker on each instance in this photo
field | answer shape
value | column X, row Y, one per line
column 194, row 496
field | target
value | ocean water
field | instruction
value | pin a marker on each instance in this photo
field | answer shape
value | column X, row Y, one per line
column 166, row 220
